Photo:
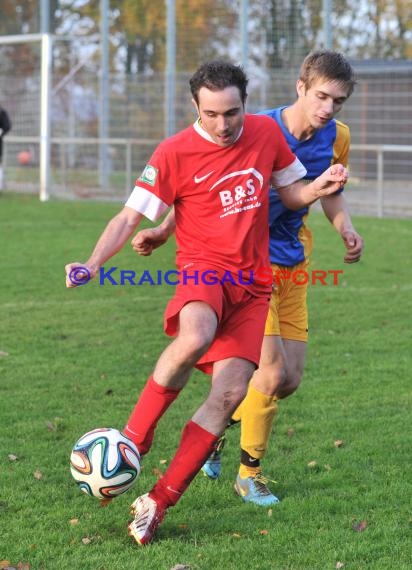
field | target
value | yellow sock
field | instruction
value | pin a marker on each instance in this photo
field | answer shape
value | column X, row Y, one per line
column 258, row 413
column 237, row 414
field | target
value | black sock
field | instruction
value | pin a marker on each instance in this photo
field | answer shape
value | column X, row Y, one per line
column 248, row 460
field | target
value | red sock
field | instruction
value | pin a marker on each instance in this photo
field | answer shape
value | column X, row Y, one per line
column 151, row 405
column 195, row 447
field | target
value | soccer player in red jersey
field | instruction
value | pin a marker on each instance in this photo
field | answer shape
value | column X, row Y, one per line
column 216, row 174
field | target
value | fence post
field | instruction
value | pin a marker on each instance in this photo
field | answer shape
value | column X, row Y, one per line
column 379, row 188
column 170, row 79
column 104, row 96
column 128, row 188
column 45, row 105
column 244, row 40
column 327, row 24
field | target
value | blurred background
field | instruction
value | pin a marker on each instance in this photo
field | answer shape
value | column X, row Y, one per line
column 91, row 86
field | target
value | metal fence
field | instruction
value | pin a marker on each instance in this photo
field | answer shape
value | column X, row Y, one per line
column 85, row 164
column 373, row 188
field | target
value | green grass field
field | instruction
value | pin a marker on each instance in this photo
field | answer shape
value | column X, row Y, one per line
column 73, row 360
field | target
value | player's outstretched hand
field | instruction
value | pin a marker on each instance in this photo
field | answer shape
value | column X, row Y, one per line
column 145, row 241
column 78, row 274
column 332, row 180
column 354, row 246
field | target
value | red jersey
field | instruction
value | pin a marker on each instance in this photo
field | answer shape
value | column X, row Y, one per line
column 220, row 194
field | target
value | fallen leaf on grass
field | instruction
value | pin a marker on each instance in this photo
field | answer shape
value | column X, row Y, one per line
column 163, row 461
column 360, row 526
column 264, row 532
column 55, row 424
column 181, row 567
column 290, row 432
column 236, row 535
column 312, row 464
column 339, row 443
column 38, row 475
column 339, row 565
column 105, row 502
column 12, row 457
column 2, row 353
column 157, row 472
column 89, row 539
column 270, row 512
column 183, row 525
column 73, row 521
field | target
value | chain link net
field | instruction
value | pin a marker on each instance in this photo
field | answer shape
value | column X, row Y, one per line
column 270, row 38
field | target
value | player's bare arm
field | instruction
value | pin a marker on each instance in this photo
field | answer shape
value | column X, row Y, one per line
column 354, row 245
column 336, row 211
column 299, row 194
column 145, row 241
column 117, row 232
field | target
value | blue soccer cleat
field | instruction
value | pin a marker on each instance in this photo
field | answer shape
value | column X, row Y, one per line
column 254, row 490
column 213, row 466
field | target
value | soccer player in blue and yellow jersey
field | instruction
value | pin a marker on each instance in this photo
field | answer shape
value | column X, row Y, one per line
column 325, row 82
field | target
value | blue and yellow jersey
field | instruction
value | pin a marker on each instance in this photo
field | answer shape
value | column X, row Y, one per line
column 290, row 239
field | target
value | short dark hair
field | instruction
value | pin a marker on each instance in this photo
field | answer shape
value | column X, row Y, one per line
column 216, row 76
column 330, row 65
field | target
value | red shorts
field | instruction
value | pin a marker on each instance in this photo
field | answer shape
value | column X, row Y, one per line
column 240, row 314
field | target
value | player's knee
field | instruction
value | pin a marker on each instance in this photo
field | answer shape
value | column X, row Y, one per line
column 290, row 385
column 270, row 379
column 195, row 344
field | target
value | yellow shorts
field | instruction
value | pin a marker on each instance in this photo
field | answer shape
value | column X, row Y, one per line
column 288, row 311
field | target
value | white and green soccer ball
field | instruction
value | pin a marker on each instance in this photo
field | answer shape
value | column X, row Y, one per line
column 104, row 463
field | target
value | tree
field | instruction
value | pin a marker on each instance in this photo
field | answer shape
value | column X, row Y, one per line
column 19, row 17
column 143, row 25
column 200, row 32
column 379, row 29
column 282, row 30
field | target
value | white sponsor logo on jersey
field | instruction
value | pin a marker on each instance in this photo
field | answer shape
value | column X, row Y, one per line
column 240, row 195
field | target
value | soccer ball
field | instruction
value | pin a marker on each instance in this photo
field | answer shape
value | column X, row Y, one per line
column 24, row 157
column 104, row 463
